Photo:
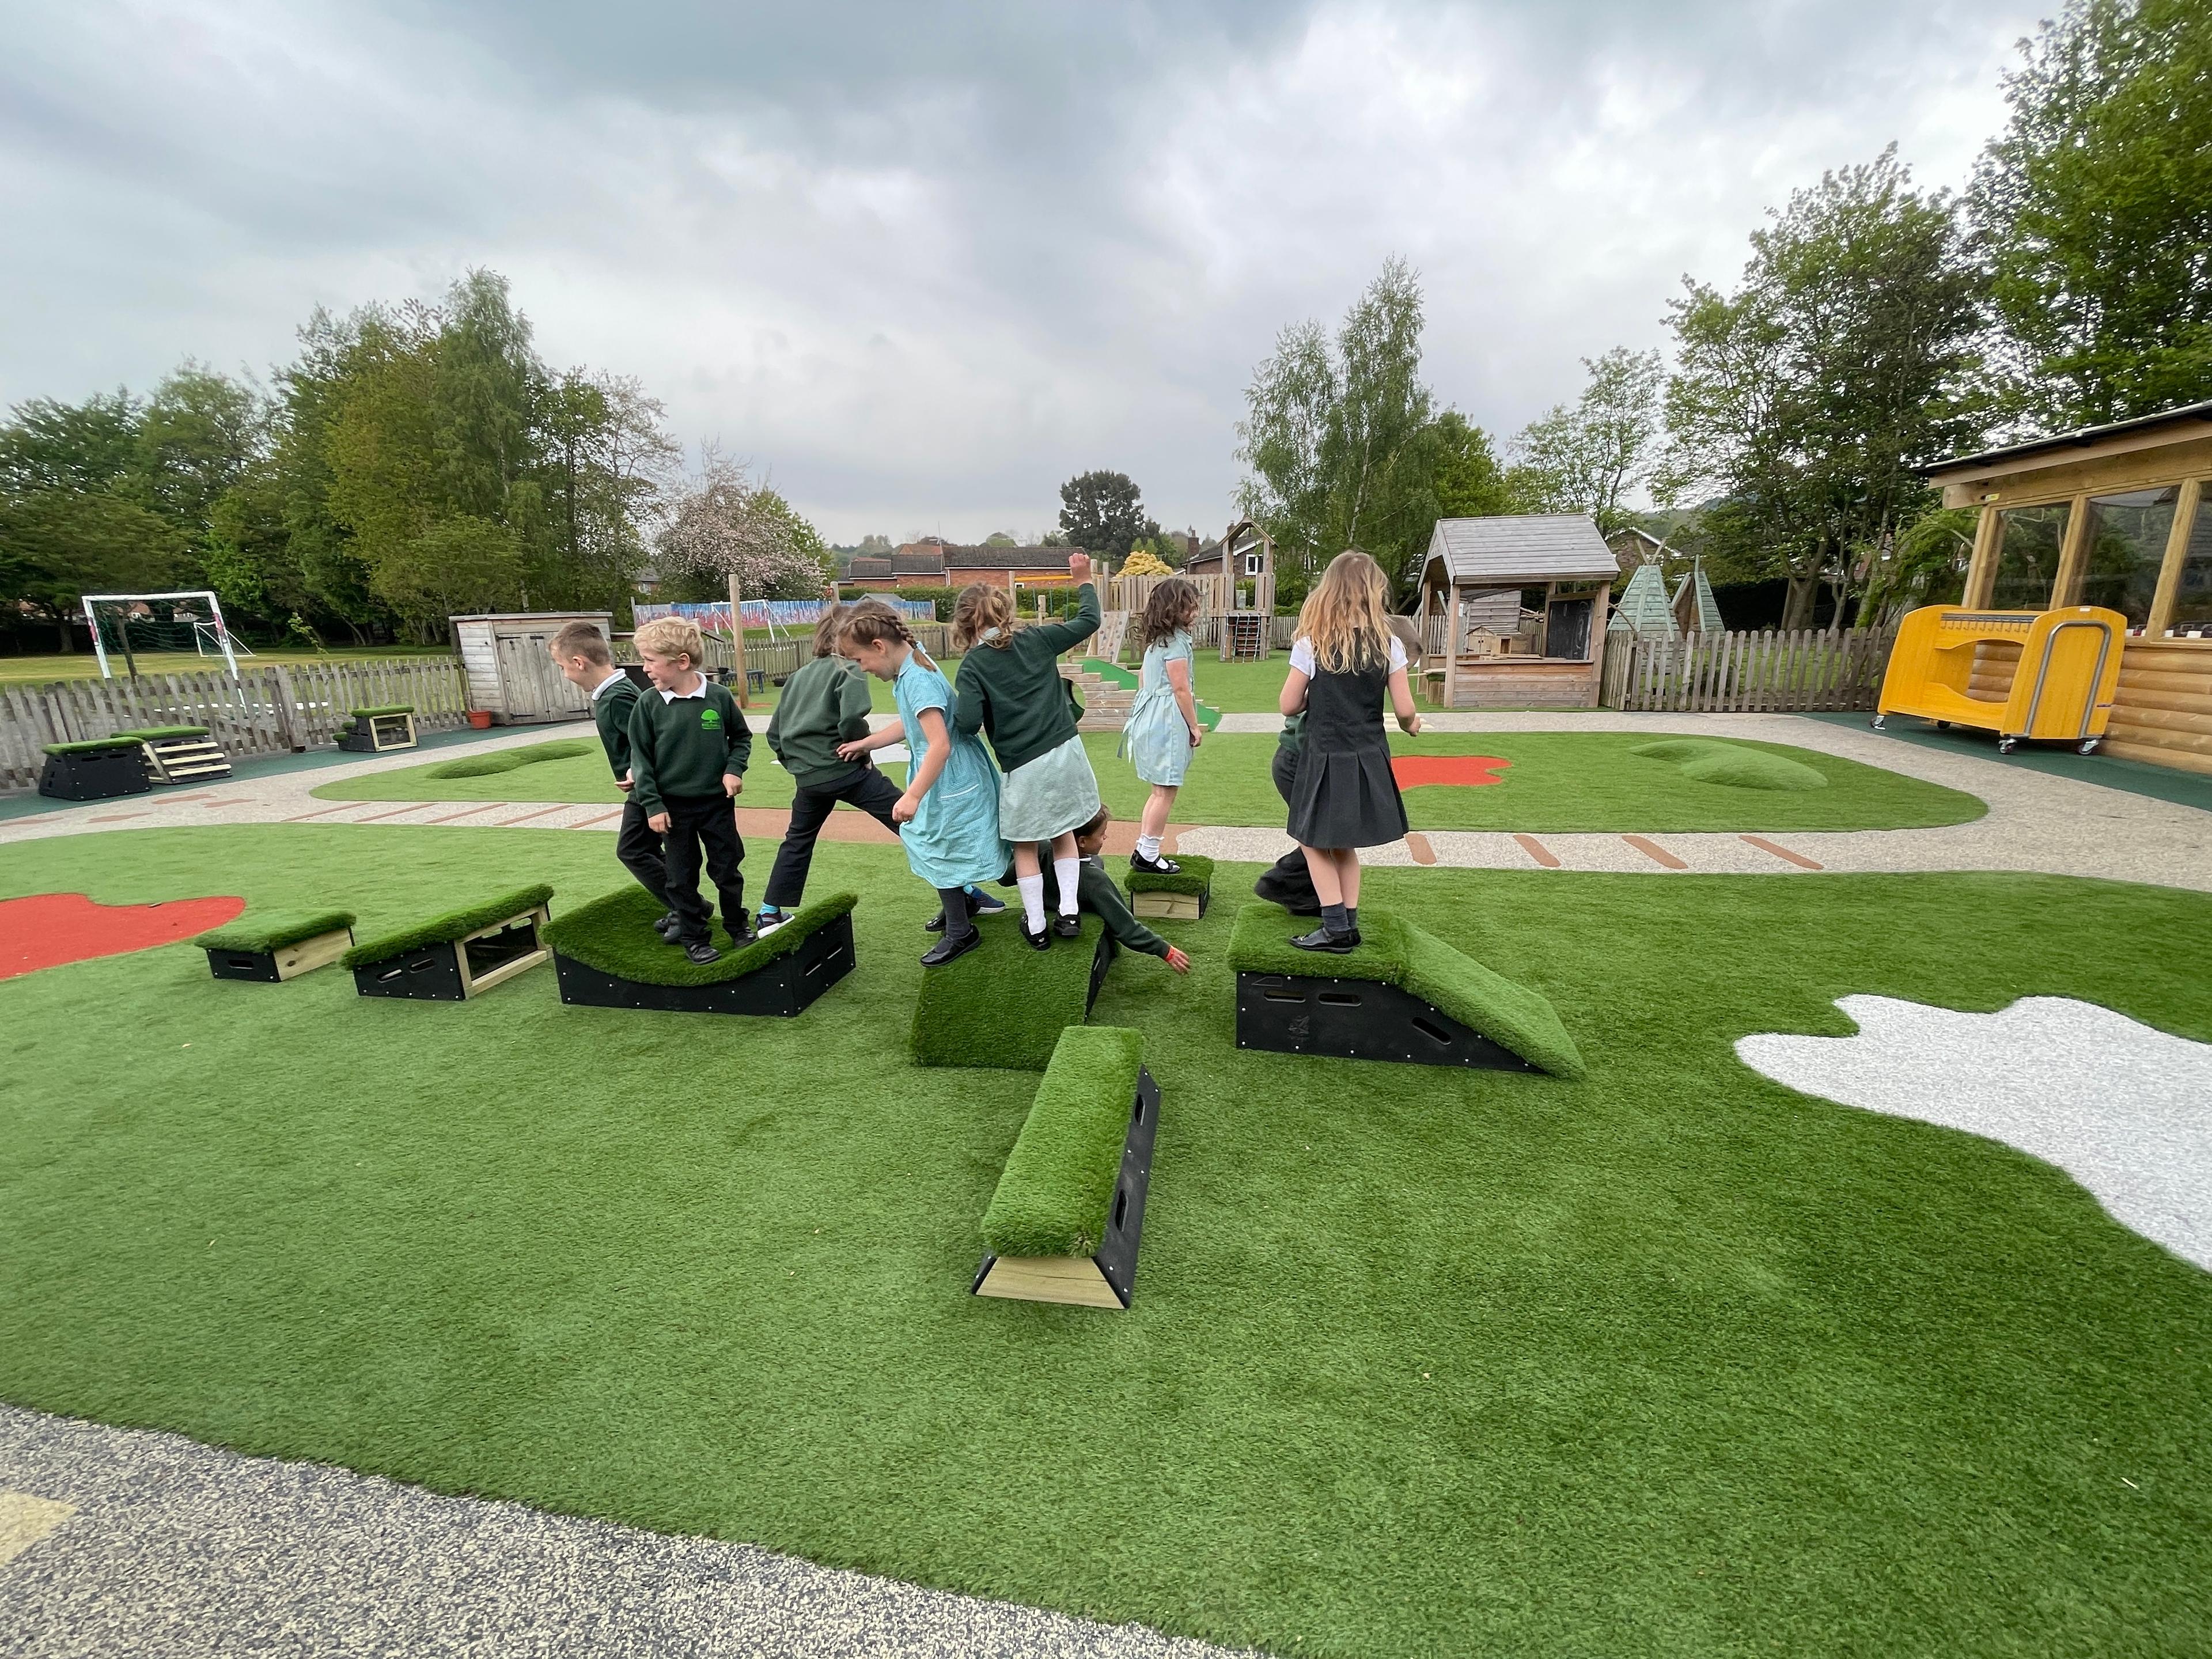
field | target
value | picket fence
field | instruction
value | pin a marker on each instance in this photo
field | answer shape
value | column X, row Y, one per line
column 275, row 709
column 1800, row 671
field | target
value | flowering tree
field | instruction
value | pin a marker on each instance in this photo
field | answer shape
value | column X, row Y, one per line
column 725, row 524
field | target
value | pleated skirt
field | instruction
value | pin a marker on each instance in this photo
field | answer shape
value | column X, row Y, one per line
column 1347, row 798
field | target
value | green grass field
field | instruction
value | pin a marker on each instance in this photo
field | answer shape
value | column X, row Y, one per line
column 1557, row 781
column 1672, row 1360
column 84, row 664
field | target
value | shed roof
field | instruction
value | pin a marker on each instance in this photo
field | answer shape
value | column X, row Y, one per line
column 1003, row 557
column 2186, row 420
column 869, row 569
column 1521, row 547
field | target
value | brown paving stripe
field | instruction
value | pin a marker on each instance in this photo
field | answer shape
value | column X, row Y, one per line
column 1783, row 853
column 324, row 813
column 559, row 806
column 118, row 817
column 1652, row 850
column 216, row 805
column 1418, row 845
column 603, row 818
column 379, row 818
column 489, row 806
column 1536, row 850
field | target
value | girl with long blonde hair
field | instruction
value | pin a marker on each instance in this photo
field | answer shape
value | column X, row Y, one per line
column 1344, row 663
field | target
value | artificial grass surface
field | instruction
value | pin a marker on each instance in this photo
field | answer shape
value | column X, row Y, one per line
column 1710, row 760
column 579, row 778
column 447, row 927
column 91, row 745
column 1427, row 1362
column 614, row 934
column 371, row 709
column 262, row 931
column 163, row 733
column 1396, row 952
column 1193, row 879
column 1059, row 1180
column 1003, row 1006
column 509, row 760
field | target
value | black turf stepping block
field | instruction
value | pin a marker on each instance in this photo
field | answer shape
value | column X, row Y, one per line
column 1358, row 1020
column 787, row 986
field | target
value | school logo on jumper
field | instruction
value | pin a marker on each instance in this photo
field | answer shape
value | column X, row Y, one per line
column 710, row 720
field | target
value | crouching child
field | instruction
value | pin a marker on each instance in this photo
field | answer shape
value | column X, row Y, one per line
column 1096, row 891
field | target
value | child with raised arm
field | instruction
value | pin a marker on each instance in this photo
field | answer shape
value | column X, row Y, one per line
column 1163, row 731
column 689, row 746
column 580, row 652
column 949, row 812
column 1010, row 691
column 1344, row 663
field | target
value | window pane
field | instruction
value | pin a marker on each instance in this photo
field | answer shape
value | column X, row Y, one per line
column 2027, row 557
column 2127, row 545
column 2192, row 601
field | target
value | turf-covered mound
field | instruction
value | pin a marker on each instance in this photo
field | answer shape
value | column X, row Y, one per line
column 453, row 926
column 508, row 760
column 1003, row 1006
column 615, row 935
column 1195, row 877
column 1054, row 1198
column 1396, row 952
column 1708, row 760
column 272, row 930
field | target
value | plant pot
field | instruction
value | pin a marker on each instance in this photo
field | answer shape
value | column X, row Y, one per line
column 480, row 718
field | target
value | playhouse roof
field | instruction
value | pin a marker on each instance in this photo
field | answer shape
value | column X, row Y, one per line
column 1694, row 603
column 1526, row 547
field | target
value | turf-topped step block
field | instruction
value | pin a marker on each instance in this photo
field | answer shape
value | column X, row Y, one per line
column 281, row 945
column 606, row 955
column 1180, row 897
column 462, row 954
column 1003, row 1006
column 375, row 731
column 180, row 754
column 1403, row 996
column 101, row 768
column 1065, row 1223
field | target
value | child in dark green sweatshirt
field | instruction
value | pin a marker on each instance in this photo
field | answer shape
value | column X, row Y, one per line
column 580, row 651
column 689, row 746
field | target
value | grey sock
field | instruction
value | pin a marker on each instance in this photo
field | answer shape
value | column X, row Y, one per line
column 1334, row 920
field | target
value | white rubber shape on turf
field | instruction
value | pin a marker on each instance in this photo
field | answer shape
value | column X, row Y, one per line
column 2124, row 1109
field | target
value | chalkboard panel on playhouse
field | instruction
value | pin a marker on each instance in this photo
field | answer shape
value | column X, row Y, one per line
column 452, row 957
column 607, row 955
column 272, row 948
column 374, row 731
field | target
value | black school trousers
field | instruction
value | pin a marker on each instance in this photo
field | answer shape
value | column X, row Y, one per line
column 1289, row 882
column 871, row 791
column 703, row 828
column 642, row 853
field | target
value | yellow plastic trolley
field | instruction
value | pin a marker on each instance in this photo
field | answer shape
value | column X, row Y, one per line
column 2062, row 685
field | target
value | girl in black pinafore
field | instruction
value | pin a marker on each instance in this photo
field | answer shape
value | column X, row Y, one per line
column 1343, row 664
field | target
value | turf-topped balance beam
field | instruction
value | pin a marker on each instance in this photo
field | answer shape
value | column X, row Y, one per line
column 607, row 956
column 373, row 730
column 280, row 946
column 99, row 769
column 1404, row 995
column 1064, row 1224
column 452, row 957
column 1004, row 1005
column 1182, row 896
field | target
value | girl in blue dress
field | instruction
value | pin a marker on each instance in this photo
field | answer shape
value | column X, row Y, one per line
column 1162, row 729
column 949, row 815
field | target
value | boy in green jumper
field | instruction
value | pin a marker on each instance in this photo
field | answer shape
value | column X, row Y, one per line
column 580, row 650
column 689, row 746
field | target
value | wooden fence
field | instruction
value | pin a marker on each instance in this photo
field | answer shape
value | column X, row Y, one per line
column 1797, row 671
column 276, row 709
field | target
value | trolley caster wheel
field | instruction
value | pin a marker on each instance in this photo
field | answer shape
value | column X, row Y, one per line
column 1942, row 726
column 2006, row 746
column 1876, row 721
column 2089, row 745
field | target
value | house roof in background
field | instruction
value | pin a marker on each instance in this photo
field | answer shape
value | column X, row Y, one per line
column 922, row 562
column 1008, row 558
column 1521, row 547
column 868, row 569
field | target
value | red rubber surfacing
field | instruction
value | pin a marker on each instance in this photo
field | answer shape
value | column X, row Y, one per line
column 50, row 929
column 1415, row 771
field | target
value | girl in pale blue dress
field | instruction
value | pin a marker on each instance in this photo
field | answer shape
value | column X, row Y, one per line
column 949, row 815
column 1163, row 728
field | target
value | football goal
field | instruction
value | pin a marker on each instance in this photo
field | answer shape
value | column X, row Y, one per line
column 185, row 630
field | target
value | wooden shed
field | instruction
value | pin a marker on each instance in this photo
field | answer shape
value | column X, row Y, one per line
column 2114, row 516
column 1553, row 572
column 509, row 670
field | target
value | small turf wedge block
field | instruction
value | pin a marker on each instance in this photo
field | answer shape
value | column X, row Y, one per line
column 375, row 731
column 102, row 768
column 1003, row 1006
column 606, row 955
column 272, row 948
column 1066, row 1221
column 1180, row 897
column 1403, row 996
column 462, row 954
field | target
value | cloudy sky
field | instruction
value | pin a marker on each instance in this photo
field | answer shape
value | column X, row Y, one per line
column 923, row 262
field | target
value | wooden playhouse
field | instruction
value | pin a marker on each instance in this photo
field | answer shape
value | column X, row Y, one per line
column 1522, row 599
column 509, row 670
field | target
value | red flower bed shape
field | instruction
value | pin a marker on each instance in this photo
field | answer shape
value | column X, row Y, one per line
column 50, row 929
column 1416, row 771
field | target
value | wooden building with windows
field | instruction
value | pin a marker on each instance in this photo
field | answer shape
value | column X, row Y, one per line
column 1540, row 584
column 2115, row 516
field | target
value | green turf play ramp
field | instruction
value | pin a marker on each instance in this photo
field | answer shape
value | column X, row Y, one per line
column 1065, row 1222
column 274, row 946
column 1003, row 1006
column 1502, row 1025
column 607, row 955
column 456, row 956
column 1708, row 760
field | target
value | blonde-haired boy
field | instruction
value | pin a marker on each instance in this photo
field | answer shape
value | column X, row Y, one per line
column 689, row 746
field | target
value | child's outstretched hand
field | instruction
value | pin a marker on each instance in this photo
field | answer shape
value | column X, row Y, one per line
column 904, row 808
column 1177, row 960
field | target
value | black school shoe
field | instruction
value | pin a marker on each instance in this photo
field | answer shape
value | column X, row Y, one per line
column 701, row 954
column 1040, row 941
column 1335, row 944
column 1299, row 902
column 1068, row 927
column 1154, row 867
column 667, row 927
column 945, row 949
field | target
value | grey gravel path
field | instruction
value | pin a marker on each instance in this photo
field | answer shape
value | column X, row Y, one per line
column 150, row 1544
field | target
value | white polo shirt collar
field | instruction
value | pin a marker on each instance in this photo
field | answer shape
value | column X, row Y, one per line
column 605, row 683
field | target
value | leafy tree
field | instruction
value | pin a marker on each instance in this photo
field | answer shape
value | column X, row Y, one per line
column 1468, row 482
column 2095, row 207
column 1143, row 562
column 1587, row 457
column 57, row 545
column 1809, row 398
column 1104, row 514
column 875, row 546
column 725, row 525
column 1000, row 538
column 91, row 445
column 198, row 436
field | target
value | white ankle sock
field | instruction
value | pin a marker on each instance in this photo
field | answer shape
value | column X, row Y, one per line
column 1032, row 889
column 1148, row 849
column 1065, row 870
